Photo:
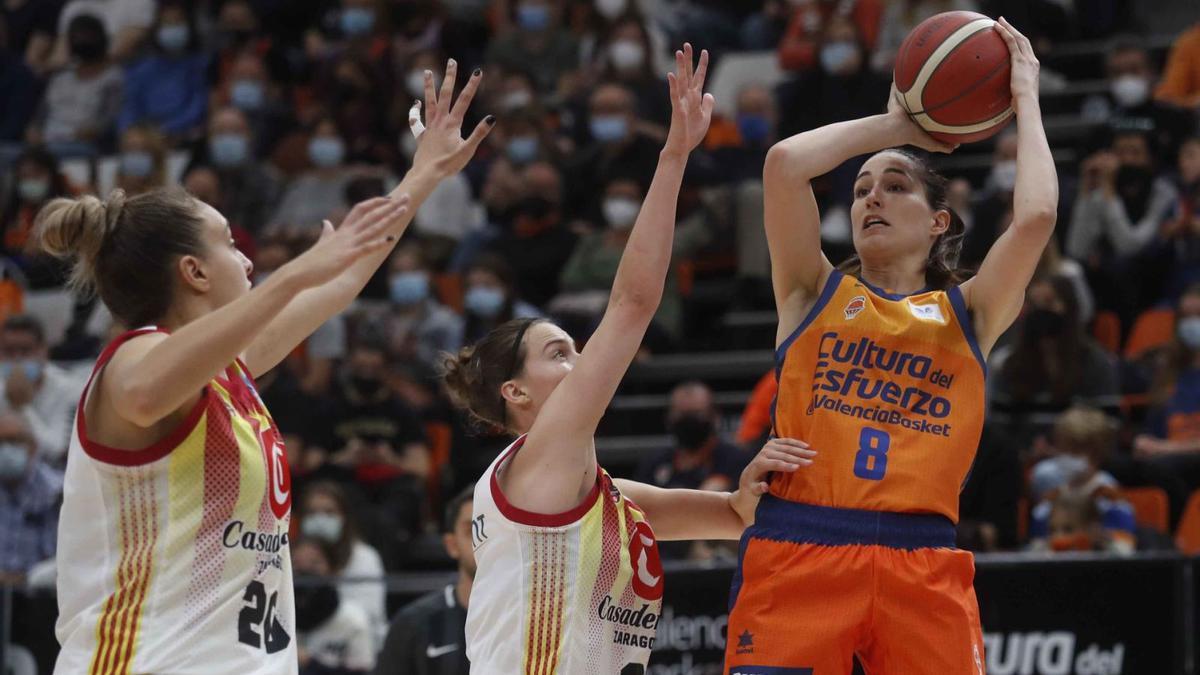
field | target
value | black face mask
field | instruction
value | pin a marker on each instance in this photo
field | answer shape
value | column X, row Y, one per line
column 87, row 49
column 1043, row 323
column 367, row 386
column 692, row 431
column 315, row 604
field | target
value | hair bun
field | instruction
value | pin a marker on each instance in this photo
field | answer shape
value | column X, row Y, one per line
column 78, row 228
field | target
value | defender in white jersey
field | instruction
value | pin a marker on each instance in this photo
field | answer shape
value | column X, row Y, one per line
column 173, row 547
column 569, row 579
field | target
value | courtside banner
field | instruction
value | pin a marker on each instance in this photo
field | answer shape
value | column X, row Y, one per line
column 1070, row 614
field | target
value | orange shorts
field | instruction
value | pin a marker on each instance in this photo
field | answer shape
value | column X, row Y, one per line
column 816, row 586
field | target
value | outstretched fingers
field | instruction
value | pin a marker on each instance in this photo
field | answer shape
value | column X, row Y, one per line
column 701, row 71
column 447, row 93
column 459, row 110
column 431, row 100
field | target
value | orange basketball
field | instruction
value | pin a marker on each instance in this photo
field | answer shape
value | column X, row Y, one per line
column 952, row 74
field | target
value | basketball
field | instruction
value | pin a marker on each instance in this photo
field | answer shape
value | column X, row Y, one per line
column 952, row 75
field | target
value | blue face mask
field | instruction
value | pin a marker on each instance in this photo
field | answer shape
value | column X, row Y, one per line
column 522, row 149
column 357, row 21
column 14, row 459
column 30, row 368
column 484, row 301
column 229, row 149
column 533, row 17
column 326, row 152
column 1189, row 331
column 247, row 94
column 836, row 56
column 173, row 37
column 753, row 128
column 137, row 164
column 608, row 128
column 409, row 288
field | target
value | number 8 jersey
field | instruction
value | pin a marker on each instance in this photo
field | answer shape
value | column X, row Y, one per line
column 890, row 390
column 174, row 558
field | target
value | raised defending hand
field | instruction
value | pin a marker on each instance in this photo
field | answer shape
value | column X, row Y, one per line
column 363, row 232
column 440, row 145
column 691, row 108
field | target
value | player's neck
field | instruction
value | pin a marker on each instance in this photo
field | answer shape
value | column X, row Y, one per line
column 462, row 588
column 902, row 277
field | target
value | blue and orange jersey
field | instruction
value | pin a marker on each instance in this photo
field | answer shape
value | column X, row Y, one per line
column 889, row 389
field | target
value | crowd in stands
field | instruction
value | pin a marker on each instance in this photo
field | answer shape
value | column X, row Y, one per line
column 284, row 113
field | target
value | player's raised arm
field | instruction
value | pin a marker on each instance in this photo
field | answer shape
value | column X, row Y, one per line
column 997, row 292
column 793, row 224
column 441, row 152
column 557, row 463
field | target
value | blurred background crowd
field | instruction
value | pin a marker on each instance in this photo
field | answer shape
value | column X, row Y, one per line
column 283, row 113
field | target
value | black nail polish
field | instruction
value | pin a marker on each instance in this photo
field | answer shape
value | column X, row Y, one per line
column 478, row 72
column 491, row 120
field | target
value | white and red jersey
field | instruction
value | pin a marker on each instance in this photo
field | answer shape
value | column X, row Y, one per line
column 174, row 558
column 578, row 592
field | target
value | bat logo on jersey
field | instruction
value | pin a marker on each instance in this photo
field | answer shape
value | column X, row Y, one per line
column 857, row 304
column 647, row 567
column 280, row 492
column 927, row 312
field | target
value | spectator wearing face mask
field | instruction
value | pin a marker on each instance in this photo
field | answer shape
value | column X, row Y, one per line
column 1180, row 84
column 169, row 88
column 616, row 147
column 1171, row 438
column 127, row 22
column 355, row 90
column 319, row 192
column 529, row 233
column 490, row 298
column 699, row 459
column 536, row 44
column 626, row 56
column 36, row 181
column 326, row 516
column 79, row 112
column 802, row 41
column 1118, row 215
column 30, row 494
column 1052, row 364
column 588, row 275
column 248, row 86
column 251, row 188
column 334, row 635
column 39, row 391
column 419, row 327
column 142, row 164
column 1128, row 106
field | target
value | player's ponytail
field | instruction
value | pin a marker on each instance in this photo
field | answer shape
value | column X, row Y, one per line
column 124, row 248
column 475, row 374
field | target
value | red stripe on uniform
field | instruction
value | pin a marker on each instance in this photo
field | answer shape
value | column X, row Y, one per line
column 108, row 625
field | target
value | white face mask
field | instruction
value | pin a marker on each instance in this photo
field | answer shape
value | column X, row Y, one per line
column 611, row 9
column 324, row 526
column 1189, row 332
column 1072, row 466
column 626, row 54
column 620, row 212
column 518, row 98
column 1130, row 90
column 14, row 459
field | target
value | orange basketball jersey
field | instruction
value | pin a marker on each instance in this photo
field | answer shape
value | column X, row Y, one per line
column 889, row 390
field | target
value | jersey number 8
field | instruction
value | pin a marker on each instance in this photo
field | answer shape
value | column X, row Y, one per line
column 871, row 461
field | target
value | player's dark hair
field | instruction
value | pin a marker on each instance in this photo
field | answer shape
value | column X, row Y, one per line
column 941, row 268
column 475, row 374
column 1024, row 371
column 450, row 515
column 125, row 248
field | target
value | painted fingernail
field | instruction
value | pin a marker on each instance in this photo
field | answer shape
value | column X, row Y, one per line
column 478, row 72
column 490, row 120
column 429, row 73
column 451, row 63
